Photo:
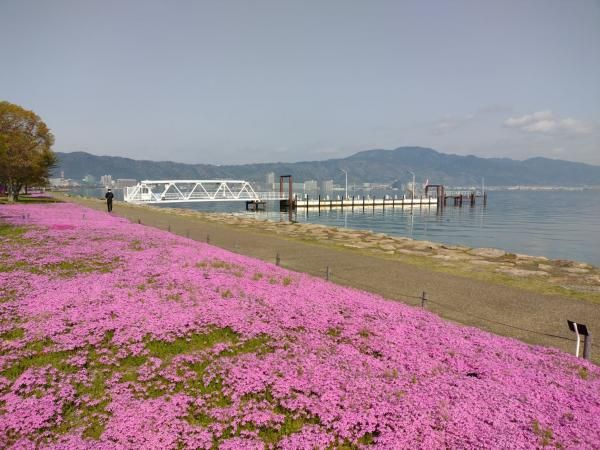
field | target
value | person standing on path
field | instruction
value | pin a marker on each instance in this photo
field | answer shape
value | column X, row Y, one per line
column 109, row 198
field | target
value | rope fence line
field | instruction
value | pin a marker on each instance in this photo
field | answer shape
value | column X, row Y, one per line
column 370, row 288
column 353, row 282
column 333, row 276
column 466, row 313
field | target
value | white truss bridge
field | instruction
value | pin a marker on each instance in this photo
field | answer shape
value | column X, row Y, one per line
column 184, row 191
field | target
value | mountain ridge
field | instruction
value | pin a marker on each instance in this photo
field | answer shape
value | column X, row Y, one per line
column 374, row 165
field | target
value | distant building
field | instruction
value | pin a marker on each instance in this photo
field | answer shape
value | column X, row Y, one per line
column 89, row 179
column 106, row 180
column 327, row 187
column 297, row 188
column 125, row 182
column 270, row 181
column 57, row 182
column 311, row 187
column 62, row 183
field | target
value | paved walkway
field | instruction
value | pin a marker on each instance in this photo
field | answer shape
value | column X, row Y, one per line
column 531, row 317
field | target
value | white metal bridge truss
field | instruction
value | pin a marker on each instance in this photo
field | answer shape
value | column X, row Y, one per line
column 183, row 191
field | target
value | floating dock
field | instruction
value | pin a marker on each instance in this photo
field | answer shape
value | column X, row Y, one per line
column 446, row 198
column 364, row 202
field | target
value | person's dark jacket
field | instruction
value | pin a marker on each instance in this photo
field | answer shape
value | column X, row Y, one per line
column 109, row 196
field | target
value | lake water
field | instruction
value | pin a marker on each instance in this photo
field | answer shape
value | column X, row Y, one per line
column 556, row 224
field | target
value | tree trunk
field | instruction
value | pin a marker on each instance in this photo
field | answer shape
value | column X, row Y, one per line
column 13, row 192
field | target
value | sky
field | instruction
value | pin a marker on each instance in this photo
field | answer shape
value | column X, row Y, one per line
column 230, row 82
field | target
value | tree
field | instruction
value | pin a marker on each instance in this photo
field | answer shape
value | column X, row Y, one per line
column 26, row 156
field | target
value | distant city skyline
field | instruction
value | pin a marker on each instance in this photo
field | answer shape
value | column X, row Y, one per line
column 239, row 82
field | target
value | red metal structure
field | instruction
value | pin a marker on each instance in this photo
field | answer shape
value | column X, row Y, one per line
column 289, row 203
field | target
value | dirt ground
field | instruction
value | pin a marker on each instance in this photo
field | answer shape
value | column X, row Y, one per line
column 504, row 310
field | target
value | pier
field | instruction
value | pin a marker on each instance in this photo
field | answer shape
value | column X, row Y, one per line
column 358, row 202
column 188, row 191
column 466, row 197
column 457, row 197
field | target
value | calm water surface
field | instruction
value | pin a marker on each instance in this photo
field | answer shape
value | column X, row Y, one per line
column 556, row 224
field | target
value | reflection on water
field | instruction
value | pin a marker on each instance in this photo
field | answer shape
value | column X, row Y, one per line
column 557, row 224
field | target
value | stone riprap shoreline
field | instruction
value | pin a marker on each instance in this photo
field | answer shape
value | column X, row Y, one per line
column 564, row 277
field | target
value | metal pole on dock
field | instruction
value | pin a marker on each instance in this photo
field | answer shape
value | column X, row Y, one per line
column 277, row 259
column 423, row 299
column 295, row 203
column 327, row 273
column 290, row 199
column 280, row 186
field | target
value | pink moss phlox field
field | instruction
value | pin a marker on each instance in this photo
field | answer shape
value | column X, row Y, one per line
column 116, row 335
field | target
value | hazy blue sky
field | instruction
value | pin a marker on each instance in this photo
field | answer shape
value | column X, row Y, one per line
column 243, row 81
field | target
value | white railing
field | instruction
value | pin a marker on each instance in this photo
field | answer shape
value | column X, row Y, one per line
column 183, row 191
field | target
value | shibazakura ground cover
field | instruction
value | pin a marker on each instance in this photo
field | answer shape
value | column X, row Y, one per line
column 115, row 335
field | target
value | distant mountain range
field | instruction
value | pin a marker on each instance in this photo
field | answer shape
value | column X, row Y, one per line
column 374, row 166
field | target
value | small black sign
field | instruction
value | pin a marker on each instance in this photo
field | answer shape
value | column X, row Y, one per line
column 581, row 328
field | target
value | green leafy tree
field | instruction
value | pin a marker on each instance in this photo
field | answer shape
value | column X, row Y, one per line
column 26, row 156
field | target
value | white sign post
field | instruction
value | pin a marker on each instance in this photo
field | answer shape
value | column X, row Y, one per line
column 581, row 330
column 578, row 340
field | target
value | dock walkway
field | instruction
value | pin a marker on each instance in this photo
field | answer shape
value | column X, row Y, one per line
column 366, row 202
